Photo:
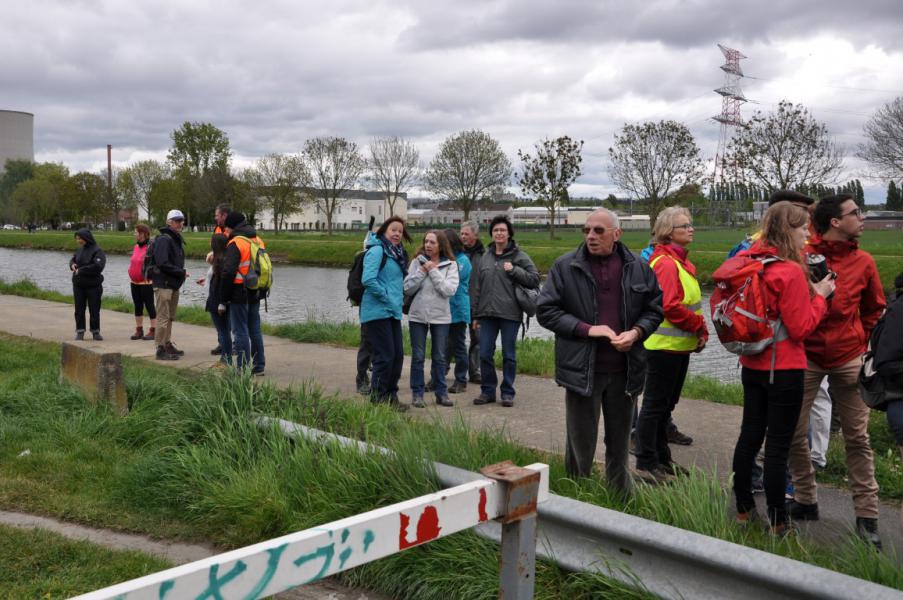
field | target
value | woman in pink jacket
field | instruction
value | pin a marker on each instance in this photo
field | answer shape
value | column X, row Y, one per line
column 142, row 288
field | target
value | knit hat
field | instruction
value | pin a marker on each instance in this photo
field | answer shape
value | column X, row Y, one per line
column 233, row 220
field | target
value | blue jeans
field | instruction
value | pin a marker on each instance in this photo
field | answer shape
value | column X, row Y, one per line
column 223, row 335
column 258, row 358
column 457, row 348
column 238, row 318
column 439, row 335
column 385, row 340
column 489, row 331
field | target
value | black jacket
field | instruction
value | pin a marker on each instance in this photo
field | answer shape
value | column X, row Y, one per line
column 169, row 257
column 230, row 291
column 889, row 353
column 90, row 261
column 474, row 253
column 568, row 297
column 494, row 289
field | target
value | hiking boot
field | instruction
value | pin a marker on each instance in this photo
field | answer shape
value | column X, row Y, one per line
column 783, row 530
column 675, row 469
column 162, row 354
column 483, row 399
column 867, row 529
column 508, row 401
column 457, row 387
column 96, row 335
column 444, row 401
column 217, row 351
column 655, row 476
column 417, row 402
column 170, row 347
column 475, row 379
column 139, row 333
column 676, row 437
column 363, row 388
column 749, row 517
column 151, row 333
column 80, row 335
column 802, row 512
column 257, row 372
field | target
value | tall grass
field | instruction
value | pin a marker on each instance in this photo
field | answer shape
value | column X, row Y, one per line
column 188, row 459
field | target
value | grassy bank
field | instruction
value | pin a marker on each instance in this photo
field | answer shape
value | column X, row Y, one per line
column 707, row 252
column 187, row 463
column 41, row 564
column 534, row 357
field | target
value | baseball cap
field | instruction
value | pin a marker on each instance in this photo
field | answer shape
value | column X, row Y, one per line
column 175, row 215
column 790, row 196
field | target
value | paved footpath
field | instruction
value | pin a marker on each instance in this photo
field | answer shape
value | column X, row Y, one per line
column 536, row 420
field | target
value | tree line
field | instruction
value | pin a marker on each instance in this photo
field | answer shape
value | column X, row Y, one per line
column 655, row 163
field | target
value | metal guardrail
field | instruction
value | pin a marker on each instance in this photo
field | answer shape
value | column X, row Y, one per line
column 667, row 561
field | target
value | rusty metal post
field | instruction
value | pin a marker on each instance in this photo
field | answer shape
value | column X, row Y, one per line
column 518, row 562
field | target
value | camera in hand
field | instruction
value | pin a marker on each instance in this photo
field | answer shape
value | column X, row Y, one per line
column 818, row 269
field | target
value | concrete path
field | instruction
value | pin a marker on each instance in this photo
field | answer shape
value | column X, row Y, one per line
column 536, row 420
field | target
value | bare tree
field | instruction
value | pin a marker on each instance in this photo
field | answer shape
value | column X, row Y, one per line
column 651, row 160
column 546, row 176
column 883, row 148
column 785, row 149
column 281, row 181
column 394, row 167
column 469, row 165
column 336, row 166
column 134, row 183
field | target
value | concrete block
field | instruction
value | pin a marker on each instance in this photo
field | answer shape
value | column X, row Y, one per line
column 98, row 374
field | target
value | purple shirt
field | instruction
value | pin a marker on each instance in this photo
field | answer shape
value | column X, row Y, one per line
column 607, row 273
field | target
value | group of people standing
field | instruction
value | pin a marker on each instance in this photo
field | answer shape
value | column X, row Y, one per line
column 451, row 286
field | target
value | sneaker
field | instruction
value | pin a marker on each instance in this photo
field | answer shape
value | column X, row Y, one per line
column 457, row 388
column 363, row 388
column 867, row 529
column 79, row 336
column 475, row 379
column 257, row 372
column 655, row 476
column 758, row 487
column 216, row 351
column 171, row 348
column 508, row 401
column 749, row 517
column 97, row 337
column 675, row 469
column 802, row 512
column 417, row 402
column 783, row 530
column 483, row 399
column 162, row 354
column 444, row 401
column 676, row 437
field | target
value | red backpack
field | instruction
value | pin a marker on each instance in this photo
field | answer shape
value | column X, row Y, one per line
column 740, row 307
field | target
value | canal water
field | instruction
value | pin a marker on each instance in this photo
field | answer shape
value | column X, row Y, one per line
column 300, row 293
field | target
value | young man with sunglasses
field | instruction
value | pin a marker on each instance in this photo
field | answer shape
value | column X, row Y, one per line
column 602, row 302
column 835, row 350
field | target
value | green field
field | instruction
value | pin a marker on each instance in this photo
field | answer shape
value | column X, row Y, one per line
column 707, row 253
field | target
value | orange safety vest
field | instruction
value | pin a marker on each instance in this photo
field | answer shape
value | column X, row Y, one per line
column 218, row 229
column 244, row 263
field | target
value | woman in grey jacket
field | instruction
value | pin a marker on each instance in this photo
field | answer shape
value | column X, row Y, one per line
column 501, row 267
column 432, row 279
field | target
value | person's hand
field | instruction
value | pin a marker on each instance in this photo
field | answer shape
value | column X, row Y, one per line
column 625, row 340
column 201, row 281
column 73, row 268
column 507, row 266
column 601, row 331
column 221, row 309
column 475, row 325
column 209, row 258
column 428, row 266
column 825, row 287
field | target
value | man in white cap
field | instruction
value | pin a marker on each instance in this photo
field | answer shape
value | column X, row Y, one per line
column 168, row 275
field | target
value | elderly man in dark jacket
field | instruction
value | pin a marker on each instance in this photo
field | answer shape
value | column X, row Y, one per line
column 601, row 302
column 168, row 275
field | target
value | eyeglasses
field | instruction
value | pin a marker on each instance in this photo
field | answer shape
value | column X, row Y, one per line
column 684, row 226
column 596, row 230
column 855, row 211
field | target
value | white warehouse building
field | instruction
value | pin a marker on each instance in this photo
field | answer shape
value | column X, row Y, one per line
column 355, row 207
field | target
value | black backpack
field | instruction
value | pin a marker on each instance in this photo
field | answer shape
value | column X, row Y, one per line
column 355, row 274
column 871, row 385
column 150, row 265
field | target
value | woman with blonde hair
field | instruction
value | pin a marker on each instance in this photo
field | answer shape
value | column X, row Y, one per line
column 668, row 349
column 773, row 379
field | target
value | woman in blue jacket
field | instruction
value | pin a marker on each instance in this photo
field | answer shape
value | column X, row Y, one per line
column 385, row 265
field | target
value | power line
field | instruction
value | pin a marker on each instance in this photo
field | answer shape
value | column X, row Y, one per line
column 838, row 87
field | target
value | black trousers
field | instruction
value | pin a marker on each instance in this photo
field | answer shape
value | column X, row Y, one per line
column 364, row 358
column 770, row 413
column 143, row 297
column 387, row 350
column 665, row 375
column 90, row 297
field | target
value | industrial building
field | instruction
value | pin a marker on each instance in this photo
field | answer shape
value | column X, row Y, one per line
column 16, row 136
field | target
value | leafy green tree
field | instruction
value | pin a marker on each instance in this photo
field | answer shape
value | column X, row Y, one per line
column 86, row 198
column 200, row 155
column 134, row 183
column 36, row 201
column 164, row 195
column 15, row 171
column 547, row 176
column 785, row 149
column 469, row 166
column 336, row 167
column 650, row 160
column 894, row 197
column 280, row 180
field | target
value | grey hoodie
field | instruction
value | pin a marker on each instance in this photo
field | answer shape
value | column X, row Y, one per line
column 433, row 290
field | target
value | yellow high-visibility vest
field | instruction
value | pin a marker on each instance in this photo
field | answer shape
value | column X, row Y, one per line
column 667, row 336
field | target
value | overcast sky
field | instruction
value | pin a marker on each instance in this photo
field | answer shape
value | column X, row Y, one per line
column 273, row 73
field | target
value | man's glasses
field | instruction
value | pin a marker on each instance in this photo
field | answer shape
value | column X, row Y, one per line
column 596, row 230
column 855, row 211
